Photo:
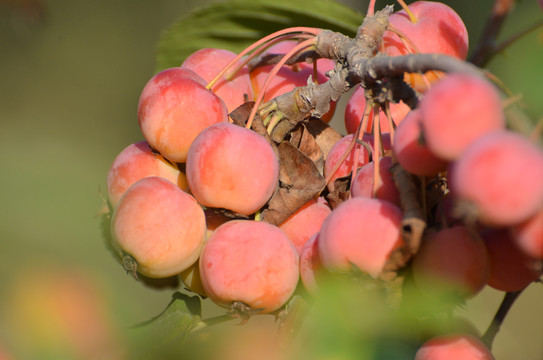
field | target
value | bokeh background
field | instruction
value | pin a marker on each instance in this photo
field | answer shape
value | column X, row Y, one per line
column 70, row 77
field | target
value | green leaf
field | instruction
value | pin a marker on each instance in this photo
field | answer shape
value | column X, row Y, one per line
column 235, row 24
column 166, row 332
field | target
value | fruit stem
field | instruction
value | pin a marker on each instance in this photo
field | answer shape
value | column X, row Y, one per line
column 356, row 138
column 409, row 45
column 391, row 123
column 301, row 46
column 256, row 44
column 412, row 16
column 508, row 301
column 376, row 150
column 371, row 8
column 263, row 48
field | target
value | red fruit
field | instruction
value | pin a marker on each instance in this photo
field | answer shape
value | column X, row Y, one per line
column 360, row 232
column 456, row 111
column 451, row 260
column 305, row 222
column 173, row 108
column 498, row 179
column 336, row 153
column 511, row 269
column 412, row 154
column 457, row 346
column 438, row 29
column 208, row 62
column 290, row 77
column 249, row 261
column 529, row 235
column 310, row 264
column 162, row 227
column 355, row 109
column 364, row 180
column 231, row 167
column 136, row 162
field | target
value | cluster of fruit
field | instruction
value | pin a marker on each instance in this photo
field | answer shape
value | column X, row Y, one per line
column 189, row 199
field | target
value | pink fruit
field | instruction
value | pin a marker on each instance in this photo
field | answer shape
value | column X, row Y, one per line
column 336, row 153
column 310, row 264
column 74, row 318
column 161, row 226
column 498, row 179
column 451, row 260
column 438, row 29
column 529, row 235
column 249, row 261
column 511, row 269
column 362, row 233
column 173, row 108
column 135, row 162
column 386, row 143
column 455, row 346
column 290, row 77
column 231, row 167
column 364, row 181
column 412, row 154
column 457, row 110
column 305, row 222
column 208, row 62
column 355, row 109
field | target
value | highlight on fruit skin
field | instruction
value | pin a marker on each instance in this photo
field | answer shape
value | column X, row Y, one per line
column 173, row 108
column 159, row 226
column 498, row 178
column 451, row 261
column 454, row 346
column 231, row 167
column 360, row 235
column 252, row 262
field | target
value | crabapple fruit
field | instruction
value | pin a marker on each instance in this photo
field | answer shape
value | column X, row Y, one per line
column 59, row 312
column 361, row 233
column 336, row 153
column 173, row 109
column 208, row 62
column 451, row 260
column 529, row 235
column 511, row 269
column 136, row 162
column 231, row 167
column 498, row 179
column 410, row 151
column 161, row 226
column 310, row 264
column 457, row 110
column 305, row 222
column 355, row 109
column 454, row 346
column 363, row 184
column 437, row 29
column 290, row 77
column 192, row 280
column 249, row 261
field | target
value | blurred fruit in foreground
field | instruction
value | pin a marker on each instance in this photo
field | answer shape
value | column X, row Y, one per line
column 60, row 313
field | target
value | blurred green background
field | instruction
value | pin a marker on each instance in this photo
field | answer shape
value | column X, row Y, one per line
column 70, row 77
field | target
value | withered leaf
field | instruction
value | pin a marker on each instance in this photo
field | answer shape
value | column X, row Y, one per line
column 325, row 135
column 240, row 115
column 341, row 191
column 302, row 139
column 299, row 182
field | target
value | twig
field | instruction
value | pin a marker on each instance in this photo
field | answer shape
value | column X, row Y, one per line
column 485, row 49
column 508, row 301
